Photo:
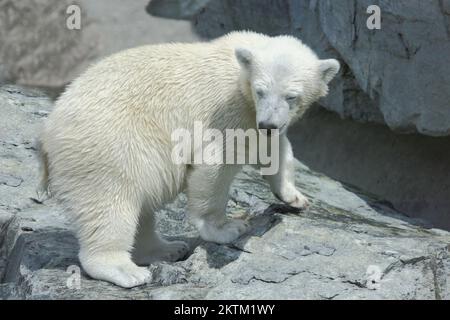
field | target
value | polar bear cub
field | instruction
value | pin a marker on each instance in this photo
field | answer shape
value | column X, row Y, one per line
column 107, row 144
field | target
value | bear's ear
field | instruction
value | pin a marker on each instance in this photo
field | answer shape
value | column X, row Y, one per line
column 328, row 69
column 244, row 57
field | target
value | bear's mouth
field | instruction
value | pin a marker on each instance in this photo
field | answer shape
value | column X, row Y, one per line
column 270, row 132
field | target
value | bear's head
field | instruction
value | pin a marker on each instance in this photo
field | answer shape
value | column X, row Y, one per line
column 282, row 78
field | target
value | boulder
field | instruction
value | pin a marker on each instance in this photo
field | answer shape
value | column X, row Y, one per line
column 38, row 49
column 175, row 9
column 348, row 245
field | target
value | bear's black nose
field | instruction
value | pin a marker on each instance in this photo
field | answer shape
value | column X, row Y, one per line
column 266, row 125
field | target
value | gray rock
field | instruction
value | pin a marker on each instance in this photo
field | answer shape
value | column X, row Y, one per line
column 175, row 9
column 404, row 65
column 39, row 50
column 398, row 75
column 346, row 246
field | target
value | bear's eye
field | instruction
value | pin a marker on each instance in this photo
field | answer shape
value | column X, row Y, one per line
column 290, row 98
column 260, row 93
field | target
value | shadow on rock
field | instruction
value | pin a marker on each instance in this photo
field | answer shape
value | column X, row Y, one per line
column 219, row 256
column 49, row 248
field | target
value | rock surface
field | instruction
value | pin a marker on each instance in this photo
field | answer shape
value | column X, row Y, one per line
column 39, row 50
column 346, row 246
column 398, row 75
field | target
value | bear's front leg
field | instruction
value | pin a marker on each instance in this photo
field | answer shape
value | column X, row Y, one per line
column 282, row 183
column 207, row 190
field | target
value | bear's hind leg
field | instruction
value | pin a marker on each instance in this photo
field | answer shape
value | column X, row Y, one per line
column 106, row 238
column 150, row 247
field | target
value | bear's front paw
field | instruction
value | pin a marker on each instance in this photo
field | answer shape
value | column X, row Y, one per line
column 223, row 233
column 293, row 197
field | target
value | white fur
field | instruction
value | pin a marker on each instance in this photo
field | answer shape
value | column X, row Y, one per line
column 108, row 141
